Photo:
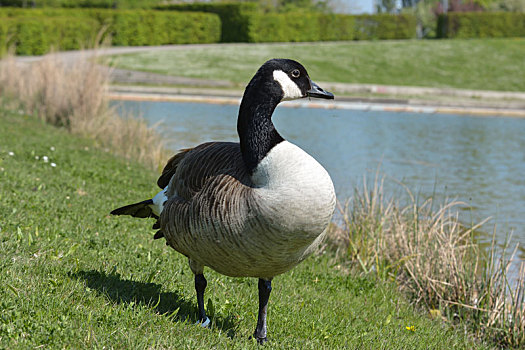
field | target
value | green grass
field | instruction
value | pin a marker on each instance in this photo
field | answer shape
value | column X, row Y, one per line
column 481, row 64
column 71, row 276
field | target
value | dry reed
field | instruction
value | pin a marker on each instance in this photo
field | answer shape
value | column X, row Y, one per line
column 73, row 95
column 435, row 260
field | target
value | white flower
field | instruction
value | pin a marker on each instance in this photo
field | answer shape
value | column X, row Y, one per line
column 52, row 148
column 37, row 157
column 53, row 165
column 45, row 159
column 11, row 153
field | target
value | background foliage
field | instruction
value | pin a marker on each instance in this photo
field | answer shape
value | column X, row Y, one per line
column 35, row 36
column 481, row 25
column 385, row 26
column 261, row 21
column 120, row 4
column 135, row 28
column 243, row 22
column 297, row 27
column 37, row 31
column 235, row 17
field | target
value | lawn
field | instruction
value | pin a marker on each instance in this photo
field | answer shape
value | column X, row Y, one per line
column 480, row 64
column 71, row 276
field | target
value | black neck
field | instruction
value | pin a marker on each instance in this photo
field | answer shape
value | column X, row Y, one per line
column 256, row 131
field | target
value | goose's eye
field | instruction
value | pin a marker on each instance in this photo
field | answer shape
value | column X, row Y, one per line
column 296, row 73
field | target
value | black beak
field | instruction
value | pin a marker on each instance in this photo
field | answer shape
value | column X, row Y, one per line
column 317, row 91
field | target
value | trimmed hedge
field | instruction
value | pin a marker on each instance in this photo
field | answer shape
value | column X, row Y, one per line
column 31, row 30
column 385, row 27
column 4, row 35
column 481, row 25
column 135, row 28
column 36, row 36
column 284, row 28
column 241, row 22
column 337, row 27
column 292, row 27
column 119, row 4
column 235, row 17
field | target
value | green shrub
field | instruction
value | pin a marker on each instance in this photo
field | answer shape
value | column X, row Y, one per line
column 242, row 23
column 300, row 27
column 71, row 35
column 35, row 31
column 103, row 16
column 130, row 29
column 4, row 35
column 239, row 22
column 276, row 27
column 235, row 17
column 119, row 4
column 135, row 28
column 36, row 36
column 336, row 27
column 384, row 27
column 19, row 12
column 481, row 25
column 287, row 27
column 115, row 4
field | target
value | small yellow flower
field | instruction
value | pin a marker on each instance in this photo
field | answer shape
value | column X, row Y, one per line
column 411, row 328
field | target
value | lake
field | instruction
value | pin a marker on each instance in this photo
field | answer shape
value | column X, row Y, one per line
column 477, row 160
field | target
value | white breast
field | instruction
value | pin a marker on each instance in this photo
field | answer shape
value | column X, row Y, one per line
column 294, row 190
column 276, row 225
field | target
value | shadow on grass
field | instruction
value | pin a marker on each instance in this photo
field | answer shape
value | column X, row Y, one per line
column 169, row 304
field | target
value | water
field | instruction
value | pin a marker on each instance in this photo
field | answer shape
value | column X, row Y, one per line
column 478, row 160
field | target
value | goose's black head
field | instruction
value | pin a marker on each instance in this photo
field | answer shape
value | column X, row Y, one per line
column 277, row 80
column 286, row 79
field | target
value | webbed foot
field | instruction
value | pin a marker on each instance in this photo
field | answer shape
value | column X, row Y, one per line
column 204, row 323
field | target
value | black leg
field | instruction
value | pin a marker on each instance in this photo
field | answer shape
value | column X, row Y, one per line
column 265, row 287
column 200, row 286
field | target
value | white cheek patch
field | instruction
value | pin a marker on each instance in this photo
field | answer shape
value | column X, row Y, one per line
column 290, row 89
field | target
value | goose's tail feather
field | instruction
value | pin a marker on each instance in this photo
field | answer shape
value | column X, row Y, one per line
column 141, row 210
column 138, row 210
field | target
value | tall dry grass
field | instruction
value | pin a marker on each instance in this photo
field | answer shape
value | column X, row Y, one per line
column 73, row 95
column 436, row 260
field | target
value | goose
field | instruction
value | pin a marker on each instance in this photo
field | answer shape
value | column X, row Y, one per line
column 255, row 208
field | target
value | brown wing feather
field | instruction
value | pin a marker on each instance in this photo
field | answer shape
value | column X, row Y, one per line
column 200, row 165
column 173, row 163
column 208, row 203
column 171, row 167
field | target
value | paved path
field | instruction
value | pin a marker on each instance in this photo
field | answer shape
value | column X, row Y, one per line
column 357, row 96
column 113, row 50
